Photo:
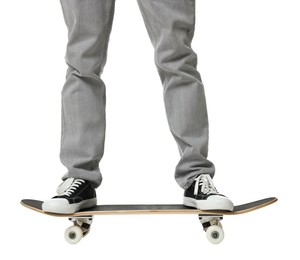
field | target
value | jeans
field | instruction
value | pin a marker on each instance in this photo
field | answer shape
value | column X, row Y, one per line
column 170, row 25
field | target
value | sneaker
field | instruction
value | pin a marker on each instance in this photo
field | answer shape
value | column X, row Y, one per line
column 203, row 195
column 74, row 195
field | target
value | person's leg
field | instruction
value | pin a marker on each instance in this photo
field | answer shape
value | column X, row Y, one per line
column 170, row 25
column 89, row 25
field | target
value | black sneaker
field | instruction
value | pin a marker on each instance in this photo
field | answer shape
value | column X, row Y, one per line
column 202, row 194
column 74, row 195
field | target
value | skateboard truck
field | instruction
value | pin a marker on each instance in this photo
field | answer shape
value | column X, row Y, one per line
column 213, row 227
column 80, row 228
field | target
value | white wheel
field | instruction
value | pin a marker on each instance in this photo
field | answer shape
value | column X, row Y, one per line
column 215, row 234
column 73, row 234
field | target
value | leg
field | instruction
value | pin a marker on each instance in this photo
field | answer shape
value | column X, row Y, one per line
column 89, row 24
column 83, row 104
column 170, row 24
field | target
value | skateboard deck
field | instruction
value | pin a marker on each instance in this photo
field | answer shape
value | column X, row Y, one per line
column 36, row 205
column 210, row 219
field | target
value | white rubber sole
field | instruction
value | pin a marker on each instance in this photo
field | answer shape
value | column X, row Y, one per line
column 62, row 206
column 215, row 202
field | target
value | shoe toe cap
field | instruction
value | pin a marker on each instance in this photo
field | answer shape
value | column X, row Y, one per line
column 56, row 205
column 219, row 202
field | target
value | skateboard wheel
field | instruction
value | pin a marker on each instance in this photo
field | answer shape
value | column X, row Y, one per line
column 73, row 234
column 215, row 234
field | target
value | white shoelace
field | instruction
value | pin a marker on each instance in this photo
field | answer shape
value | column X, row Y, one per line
column 73, row 187
column 206, row 183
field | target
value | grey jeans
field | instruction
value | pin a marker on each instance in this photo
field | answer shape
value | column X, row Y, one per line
column 170, row 25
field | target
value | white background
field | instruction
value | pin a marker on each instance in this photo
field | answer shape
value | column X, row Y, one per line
column 248, row 55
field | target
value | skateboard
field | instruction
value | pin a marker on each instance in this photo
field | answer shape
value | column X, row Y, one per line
column 210, row 220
